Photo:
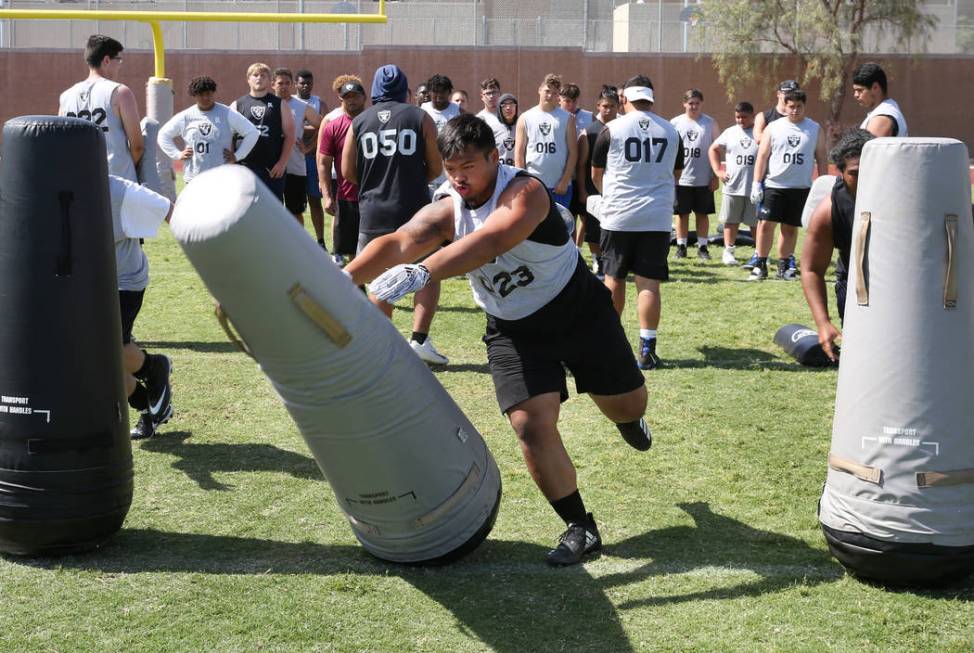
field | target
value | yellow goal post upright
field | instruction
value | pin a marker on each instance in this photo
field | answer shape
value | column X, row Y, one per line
column 159, row 90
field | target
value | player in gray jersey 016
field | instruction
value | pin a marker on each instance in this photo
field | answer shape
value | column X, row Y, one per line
column 108, row 104
column 203, row 136
column 884, row 117
column 545, row 310
column 697, row 183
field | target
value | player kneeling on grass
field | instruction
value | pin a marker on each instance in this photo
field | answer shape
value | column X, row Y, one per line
column 507, row 236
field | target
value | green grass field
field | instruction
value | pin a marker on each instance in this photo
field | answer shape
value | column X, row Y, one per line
column 234, row 541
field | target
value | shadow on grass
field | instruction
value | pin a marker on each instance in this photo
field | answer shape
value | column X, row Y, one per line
column 199, row 460
column 738, row 359
column 203, row 347
column 479, row 368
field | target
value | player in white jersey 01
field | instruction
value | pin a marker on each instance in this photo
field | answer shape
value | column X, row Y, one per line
column 697, row 183
column 296, row 177
column 547, row 142
column 203, row 136
column 634, row 163
column 789, row 150
column 884, row 117
column 739, row 150
column 441, row 110
column 101, row 99
column 545, row 310
column 304, row 82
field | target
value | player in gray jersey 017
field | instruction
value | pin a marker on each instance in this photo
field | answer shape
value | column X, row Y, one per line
column 545, row 310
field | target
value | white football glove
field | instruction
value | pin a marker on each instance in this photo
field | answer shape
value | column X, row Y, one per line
column 757, row 192
column 397, row 282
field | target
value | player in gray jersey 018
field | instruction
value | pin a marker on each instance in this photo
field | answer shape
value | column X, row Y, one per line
column 545, row 310
column 108, row 104
column 697, row 183
column 203, row 136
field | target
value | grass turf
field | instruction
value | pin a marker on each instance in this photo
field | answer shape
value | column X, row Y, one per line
column 234, row 541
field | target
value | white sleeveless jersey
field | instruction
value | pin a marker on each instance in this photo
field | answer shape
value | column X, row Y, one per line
column 440, row 118
column 741, row 150
column 92, row 101
column 504, row 137
column 792, row 153
column 638, row 181
column 890, row 108
column 697, row 136
column 525, row 278
column 547, row 147
column 295, row 162
column 314, row 102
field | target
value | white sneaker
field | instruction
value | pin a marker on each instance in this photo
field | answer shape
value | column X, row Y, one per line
column 428, row 353
column 728, row 257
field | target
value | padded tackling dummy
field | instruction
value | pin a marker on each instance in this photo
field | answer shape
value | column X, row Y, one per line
column 821, row 188
column 147, row 169
column 65, row 454
column 159, row 107
column 801, row 343
column 898, row 504
column 411, row 473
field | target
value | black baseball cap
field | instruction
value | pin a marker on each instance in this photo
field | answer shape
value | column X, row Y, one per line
column 788, row 85
column 350, row 87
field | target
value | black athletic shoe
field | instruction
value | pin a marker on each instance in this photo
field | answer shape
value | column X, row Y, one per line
column 648, row 360
column 791, row 272
column 681, row 251
column 157, row 386
column 575, row 543
column 782, row 269
column 702, row 253
column 146, row 426
column 636, row 434
column 759, row 272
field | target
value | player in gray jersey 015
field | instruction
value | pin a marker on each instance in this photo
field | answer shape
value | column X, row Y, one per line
column 545, row 310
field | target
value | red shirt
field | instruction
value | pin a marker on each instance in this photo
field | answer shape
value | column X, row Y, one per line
column 332, row 143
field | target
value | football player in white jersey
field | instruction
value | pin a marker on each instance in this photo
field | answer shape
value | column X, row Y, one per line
column 304, row 82
column 296, row 177
column 109, row 104
column 783, row 175
column 697, row 183
column 884, row 117
column 546, row 143
column 739, row 149
column 507, row 235
column 441, row 110
column 505, row 133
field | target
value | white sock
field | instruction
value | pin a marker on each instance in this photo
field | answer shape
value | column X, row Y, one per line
column 702, row 242
column 681, row 241
column 729, row 248
column 647, row 334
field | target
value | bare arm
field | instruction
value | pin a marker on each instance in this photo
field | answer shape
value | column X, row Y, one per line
column 816, row 256
column 287, row 124
column 880, row 126
column 580, row 171
column 125, row 106
column 821, row 161
column 571, row 141
column 520, row 144
column 325, row 162
column 714, row 135
column 349, row 158
column 759, row 125
column 716, row 153
column 310, row 135
column 761, row 163
column 434, row 162
column 597, row 175
column 427, row 230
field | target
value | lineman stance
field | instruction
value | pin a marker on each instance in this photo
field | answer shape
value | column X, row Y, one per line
column 740, row 149
column 541, row 301
column 831, row 228
column 870, row 89
column 633, row 165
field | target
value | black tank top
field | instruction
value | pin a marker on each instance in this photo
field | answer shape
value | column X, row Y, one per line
column 843, row 215
column 591, row 133
column 265, row 113
column 391, row 165
column 771, row 115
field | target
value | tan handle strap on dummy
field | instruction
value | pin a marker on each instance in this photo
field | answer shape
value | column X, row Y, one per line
column 469, row 483
column 224, row 321
column 954, row 477
column 321, row 317
column 862, row 292
column 950, row 275
column 860, row 471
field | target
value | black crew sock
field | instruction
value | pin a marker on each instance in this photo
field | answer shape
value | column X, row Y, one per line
column 143, row 371
column 139, row 399
column 571, row 508
column 419, row 337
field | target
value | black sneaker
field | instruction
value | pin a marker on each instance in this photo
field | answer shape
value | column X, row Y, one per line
column 157, row 386
column 681, row 251
column 702, row 253
column 636, row 434
column 648, row 360
column 782, row 269
column 146, row 426
column 791, row 272
column 759, row 272
column 576, row 542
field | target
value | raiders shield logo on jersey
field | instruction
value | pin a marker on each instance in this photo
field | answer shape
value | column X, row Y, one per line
column 206, row 128
column 794, row 140
column 509, row 144
column 545, row 128
column 692, row 135
column 384, row 116
column 257, row 112
column 745, row 142
column 84, row 96
column 644, row 123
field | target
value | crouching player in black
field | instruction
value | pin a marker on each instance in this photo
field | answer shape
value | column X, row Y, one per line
column 830, row 228
column 507, row 236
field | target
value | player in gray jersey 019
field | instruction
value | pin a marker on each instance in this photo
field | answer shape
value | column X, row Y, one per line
column 545, row 310
column 739, row 150
column 203, row 136
column 108, row 104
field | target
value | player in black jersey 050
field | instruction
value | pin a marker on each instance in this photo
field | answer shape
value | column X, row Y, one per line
column 545, row 310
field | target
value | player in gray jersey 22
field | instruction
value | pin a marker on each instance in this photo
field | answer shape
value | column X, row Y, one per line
column 545, row 310
column 203, row 135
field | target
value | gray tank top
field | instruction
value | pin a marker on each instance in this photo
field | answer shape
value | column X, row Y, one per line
column 92, row 100
column 697, row 136
column 529, row 275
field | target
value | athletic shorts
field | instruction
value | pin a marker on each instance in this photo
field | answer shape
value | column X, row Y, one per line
column 578, row 329
column 737, row 209
column 295, row 193
column 694, row 199
column 346, row 230
column 276, row 186
column 311, row 167
column 643, row 253
column 566, row 199
column 129, row 304
column 841, row 287
column 784, row 205
column 593, row 229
